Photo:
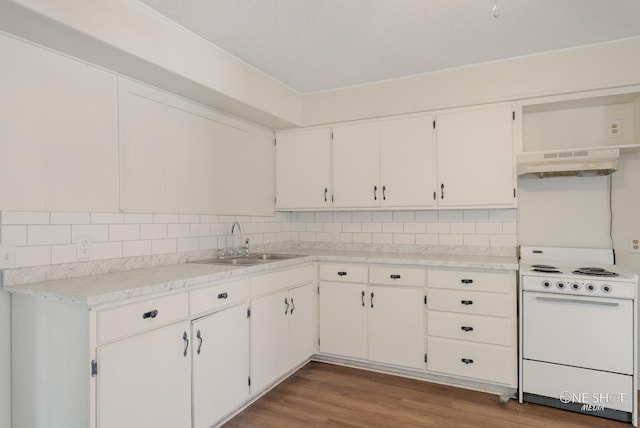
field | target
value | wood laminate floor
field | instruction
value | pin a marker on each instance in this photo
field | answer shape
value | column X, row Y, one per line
column 326, row 395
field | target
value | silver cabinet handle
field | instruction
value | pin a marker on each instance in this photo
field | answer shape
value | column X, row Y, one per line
column 362, row 297
column 150, row 314
column 185, row 337
column 199, row 336
column 293, row 307
column 442, row 191
column 325, row 194
column 375, row 193
column 580, row 301
column 372, row 299
column 467, row 360
column 384, row 194
column 286, row 302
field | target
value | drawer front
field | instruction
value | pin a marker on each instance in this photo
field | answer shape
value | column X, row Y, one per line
column 473, row 360
column 472, row 328
column 133, row 318
column 344, row 273
column 394, row 275
column 469, row 302
column 281, row 280
column 209, row 299
column 496, row 282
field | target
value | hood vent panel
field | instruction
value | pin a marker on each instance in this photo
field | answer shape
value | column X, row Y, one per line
column 571, row 163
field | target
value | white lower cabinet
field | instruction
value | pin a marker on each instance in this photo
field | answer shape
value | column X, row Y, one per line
column 283, row 324
column 144, row 380
column 379, row 322
column 471, row 325
column 220, row 352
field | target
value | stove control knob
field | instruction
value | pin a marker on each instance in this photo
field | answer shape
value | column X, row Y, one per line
column 561, row 285
column 590, row 287
column 575, row 286
column 546, row 283
column 606, row 288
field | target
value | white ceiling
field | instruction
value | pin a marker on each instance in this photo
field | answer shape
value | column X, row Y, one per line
column 316, row 45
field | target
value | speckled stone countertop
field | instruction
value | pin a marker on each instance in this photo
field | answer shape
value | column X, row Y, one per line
column 94, row 290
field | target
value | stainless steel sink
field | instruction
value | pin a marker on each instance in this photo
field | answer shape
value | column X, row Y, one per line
column 251, row 259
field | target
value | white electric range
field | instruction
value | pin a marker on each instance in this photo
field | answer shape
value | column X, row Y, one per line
column 578, row 338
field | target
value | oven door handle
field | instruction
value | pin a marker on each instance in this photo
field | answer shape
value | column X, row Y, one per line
column 585, row 301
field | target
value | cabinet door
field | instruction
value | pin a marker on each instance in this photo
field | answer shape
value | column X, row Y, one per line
column 475, row 157
column 269, row 339
column 407, row 169
column 356, row 165
column 343, row 319
column 220, row 350
column 396, row 325
column 302, row 324
column 145, row 380
column 303, row 169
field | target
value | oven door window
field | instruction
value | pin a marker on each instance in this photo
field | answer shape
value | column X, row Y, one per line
column 587, row 332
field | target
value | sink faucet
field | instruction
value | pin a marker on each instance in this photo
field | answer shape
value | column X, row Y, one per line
column 232, row 247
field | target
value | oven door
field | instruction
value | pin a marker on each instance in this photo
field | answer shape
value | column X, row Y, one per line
column 580, row 331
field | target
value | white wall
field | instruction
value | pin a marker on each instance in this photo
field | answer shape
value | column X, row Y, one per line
column 571, row 70
column 5, row 359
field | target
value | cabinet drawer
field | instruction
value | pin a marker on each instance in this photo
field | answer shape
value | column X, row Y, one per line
column 496, row 282
column 394, row 275
column 473, row 360
column 136, row 317
column 470, row 302
column 344, row 273
column 281, row 280
column 209, row 299
column 473, row 328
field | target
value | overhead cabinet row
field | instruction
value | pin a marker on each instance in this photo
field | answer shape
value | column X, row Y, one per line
column 457, row 158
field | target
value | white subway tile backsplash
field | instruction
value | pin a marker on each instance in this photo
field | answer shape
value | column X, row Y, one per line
column 509, row 228
column 33, row 256
column 206, row 218
column 163, row 246
column 138, row 218
column 362, row 238
column 219, row 229
column 332, row 227
column 264, row 227
column 372, row 227
column 14, row 235
column 475, row 215
column 105, row 218
column 464, row 228
column 426, row 216
column 494, row 228
column 503, row 240
column 404, row 238
column 153, row 231
column 503, row 215
column 307, row 236
column 414, row 227
column 136, row 248
column 403, row 216
column 362, row 216
column 352, row 227
column 382, row 238
column 324, row 216
column 63, row 254
column 166, row 218
column 24, row 217
column 450, row 215
column 450, row 239
column 382, row 216
column 476, row 240
column 70, row 218
column 342, row 216
column 210, row 242
column 443, row 228
column 124, row 232
column 189, row 218
column 200, row 229
column 48, row 234
column 106, row 250
column 97, row 232
column 306, row 217
column 392, row 227
column 181, row 230
column 189, row 244
column 345, row 238
column 324, row 237
column 426, row 239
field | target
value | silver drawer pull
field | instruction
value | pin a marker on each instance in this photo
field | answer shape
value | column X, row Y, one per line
column 394, row 276
column 466, row 281
column 467, row 360
column 342, row 274
column 466, row 302
column 223, row 296
column 580, row 301
column 466, row 328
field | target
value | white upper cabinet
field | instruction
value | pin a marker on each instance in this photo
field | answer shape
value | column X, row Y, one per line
column 387, row 163
column 356, row 165
column 58, row 133
column 475, row 161
column 303, row 169
column 181, row 157
column 406, row 162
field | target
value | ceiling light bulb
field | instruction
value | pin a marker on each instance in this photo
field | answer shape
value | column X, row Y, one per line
column 494, row 9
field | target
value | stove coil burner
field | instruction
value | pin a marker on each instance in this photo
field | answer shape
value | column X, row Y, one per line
column 545, row 269
column 594, row 271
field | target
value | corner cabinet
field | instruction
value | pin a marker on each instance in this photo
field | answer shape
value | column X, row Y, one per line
column 476, row 164
column 303, row 169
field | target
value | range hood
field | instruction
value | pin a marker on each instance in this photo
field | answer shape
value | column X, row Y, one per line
column 569, row 163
